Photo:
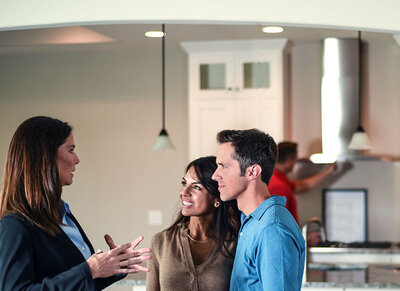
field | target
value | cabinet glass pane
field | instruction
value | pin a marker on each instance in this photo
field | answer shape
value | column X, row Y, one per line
column 256, row 75
column 212, row 76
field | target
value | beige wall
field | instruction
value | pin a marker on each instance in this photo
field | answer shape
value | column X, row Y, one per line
column 306, row 97
column 113, row 100
column 383, row 93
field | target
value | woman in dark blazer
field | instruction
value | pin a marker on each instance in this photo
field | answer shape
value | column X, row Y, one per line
column 42, row 245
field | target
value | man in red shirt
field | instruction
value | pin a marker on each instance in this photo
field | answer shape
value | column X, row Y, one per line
column 282, row 186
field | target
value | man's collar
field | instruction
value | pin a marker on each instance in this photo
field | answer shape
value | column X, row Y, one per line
column 274, row 199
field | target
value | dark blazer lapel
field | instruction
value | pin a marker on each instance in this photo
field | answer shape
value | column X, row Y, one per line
column 85, row 238
column 70, row 246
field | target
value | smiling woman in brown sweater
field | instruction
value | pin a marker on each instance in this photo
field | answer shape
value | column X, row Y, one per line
column 197, row 251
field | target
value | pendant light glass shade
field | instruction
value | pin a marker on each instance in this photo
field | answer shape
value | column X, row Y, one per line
column 163, row 141
column 359, row 141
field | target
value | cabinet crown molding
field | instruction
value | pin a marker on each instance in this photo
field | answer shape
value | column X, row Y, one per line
column 277, row 44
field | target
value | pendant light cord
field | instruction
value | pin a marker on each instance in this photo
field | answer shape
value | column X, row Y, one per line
column 163, row 142
column 163, row 76
column 359, row 77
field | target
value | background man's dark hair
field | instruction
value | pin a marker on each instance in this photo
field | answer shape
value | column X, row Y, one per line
column 252, row 146
column 287, row 150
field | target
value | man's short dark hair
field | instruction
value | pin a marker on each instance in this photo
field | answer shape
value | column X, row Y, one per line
column 286, row 150
column 252, row 146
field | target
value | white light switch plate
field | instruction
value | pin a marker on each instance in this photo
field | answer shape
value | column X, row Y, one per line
column 155, row 217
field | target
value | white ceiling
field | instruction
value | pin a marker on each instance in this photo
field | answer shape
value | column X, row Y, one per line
column 131, row 36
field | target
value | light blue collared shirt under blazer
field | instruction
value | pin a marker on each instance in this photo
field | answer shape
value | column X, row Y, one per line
column 72, row 231
column 271, row 251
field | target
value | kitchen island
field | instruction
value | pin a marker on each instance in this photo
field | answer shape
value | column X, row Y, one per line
column 351, row 269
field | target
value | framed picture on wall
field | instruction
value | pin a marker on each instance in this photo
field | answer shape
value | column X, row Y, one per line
column 345, row 216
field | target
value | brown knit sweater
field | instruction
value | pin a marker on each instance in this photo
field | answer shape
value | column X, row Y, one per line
column 172, row 267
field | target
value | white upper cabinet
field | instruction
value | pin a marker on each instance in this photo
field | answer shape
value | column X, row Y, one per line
column 234, row 85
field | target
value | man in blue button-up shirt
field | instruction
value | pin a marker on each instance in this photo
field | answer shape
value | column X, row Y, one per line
column 271, row 251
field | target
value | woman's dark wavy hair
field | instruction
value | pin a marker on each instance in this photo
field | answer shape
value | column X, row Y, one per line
column 31, row 184
column 227, row 215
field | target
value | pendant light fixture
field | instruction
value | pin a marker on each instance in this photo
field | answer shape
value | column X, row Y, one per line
column 359, row 140
column 163, row 141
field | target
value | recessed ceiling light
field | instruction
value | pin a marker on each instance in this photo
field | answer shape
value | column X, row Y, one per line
column 154, row 33
column 272, row 29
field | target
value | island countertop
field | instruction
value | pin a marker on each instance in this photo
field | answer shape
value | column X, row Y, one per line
column 353, row 269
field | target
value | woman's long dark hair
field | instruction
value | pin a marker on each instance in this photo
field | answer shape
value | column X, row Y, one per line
column 31, row 184
column 227, row 215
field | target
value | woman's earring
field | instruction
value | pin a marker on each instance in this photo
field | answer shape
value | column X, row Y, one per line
column 216, row 204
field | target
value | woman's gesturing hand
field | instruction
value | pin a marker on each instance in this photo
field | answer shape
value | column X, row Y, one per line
column 140, row 253
column 119, row 260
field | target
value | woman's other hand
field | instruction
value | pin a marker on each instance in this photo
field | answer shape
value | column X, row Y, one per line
column 140, row 253
column 118, row 260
